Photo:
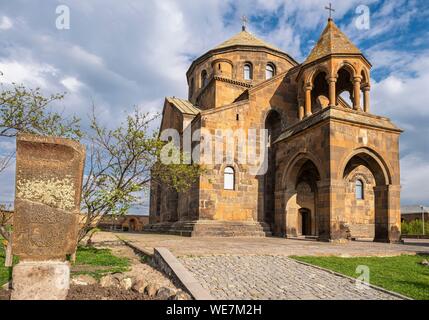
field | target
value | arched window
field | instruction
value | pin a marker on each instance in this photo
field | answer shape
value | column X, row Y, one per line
column 359, row 190
column 228, row 178
column 270, row 71
column 248, row 72
column 203, row 78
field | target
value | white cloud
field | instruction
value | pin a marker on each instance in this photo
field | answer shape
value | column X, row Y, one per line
column 415, row 174
column 81, row 54
column 403, row 97
column 5, row 23
column 31, row 74
column 404, row 92
column 71, row 83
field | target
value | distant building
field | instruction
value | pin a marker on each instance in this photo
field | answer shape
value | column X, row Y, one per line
column 411, row 213
column 108, row 223
column 127, row 223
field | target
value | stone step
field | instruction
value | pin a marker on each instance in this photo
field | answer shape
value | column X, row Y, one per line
column 209, row 228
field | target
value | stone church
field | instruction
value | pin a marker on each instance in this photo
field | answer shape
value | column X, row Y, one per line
column 333, row 166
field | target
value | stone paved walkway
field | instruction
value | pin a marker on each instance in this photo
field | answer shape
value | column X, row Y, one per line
column 182, row 246
column 273, row 278
column 259, row 268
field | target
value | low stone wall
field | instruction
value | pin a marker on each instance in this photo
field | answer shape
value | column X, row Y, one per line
column 169, row 264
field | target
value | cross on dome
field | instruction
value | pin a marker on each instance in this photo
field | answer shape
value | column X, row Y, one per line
column 331, row 10
column 244, row 21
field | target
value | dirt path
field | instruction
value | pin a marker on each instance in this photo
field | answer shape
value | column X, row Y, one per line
column 140, row 268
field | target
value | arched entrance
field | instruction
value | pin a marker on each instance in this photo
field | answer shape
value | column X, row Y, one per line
column 274, row 126
column 366, row 200
column 301, row 199
column 132, row 225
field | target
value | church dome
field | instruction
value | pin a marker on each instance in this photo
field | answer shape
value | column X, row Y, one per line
column 245, row 39
column 332, row 41
column 243, row 61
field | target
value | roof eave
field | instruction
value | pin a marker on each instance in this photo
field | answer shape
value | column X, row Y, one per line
column 306, row 65
column 232, row 47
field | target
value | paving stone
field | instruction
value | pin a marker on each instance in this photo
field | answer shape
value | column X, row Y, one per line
column 283, row 279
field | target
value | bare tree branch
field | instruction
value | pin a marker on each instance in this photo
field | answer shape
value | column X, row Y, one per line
column 119, row 167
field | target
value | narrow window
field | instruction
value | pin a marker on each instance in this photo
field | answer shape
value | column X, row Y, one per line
column 203, row 78
column 248, row 71
column 228, row 178
column 359, row 190
column 191, row 88
column 270, row 71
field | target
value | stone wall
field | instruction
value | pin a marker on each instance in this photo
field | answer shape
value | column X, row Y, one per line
column 360, row 214
column 341, row 144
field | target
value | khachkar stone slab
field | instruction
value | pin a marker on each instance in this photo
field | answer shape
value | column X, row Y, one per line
column 49, row 174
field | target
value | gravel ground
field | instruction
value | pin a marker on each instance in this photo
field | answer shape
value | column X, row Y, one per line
column 96, row 292
column 4, row 295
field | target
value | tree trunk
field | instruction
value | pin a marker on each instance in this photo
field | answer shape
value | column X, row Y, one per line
column 73, row 257
column 9, row 255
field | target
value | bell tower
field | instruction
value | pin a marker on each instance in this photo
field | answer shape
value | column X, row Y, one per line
column 334, row 66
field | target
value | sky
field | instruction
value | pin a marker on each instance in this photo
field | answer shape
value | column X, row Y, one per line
column 121, row 54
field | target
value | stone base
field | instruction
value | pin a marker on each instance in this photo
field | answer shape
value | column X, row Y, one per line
column 212, row 228
column 41, row 280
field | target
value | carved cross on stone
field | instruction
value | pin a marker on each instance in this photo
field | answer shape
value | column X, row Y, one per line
column 331, row 10
column 49, row 174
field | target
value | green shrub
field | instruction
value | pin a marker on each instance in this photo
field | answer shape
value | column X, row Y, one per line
column 414, row 227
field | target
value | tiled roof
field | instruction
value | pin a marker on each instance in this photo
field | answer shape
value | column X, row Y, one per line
column 245, row 38
column 413, row 209
column 332, row 41
column 184, row 106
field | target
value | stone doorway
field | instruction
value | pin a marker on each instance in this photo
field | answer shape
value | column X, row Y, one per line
column 301, row 199
column 305, row 217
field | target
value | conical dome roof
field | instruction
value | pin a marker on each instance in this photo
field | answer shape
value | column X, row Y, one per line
column 332, row 41
column 245, row 38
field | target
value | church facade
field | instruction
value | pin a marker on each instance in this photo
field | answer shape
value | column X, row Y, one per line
column 333, row 166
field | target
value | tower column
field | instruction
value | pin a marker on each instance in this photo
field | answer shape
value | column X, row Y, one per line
column 308, row 89
column 332, row 81
column 301, row 111
column 366, row 91
column 356, row 92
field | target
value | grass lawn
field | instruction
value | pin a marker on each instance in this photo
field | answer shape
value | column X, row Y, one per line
column 92, row 261
column 4, row 272
column 403, row 274
column 98, row 262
